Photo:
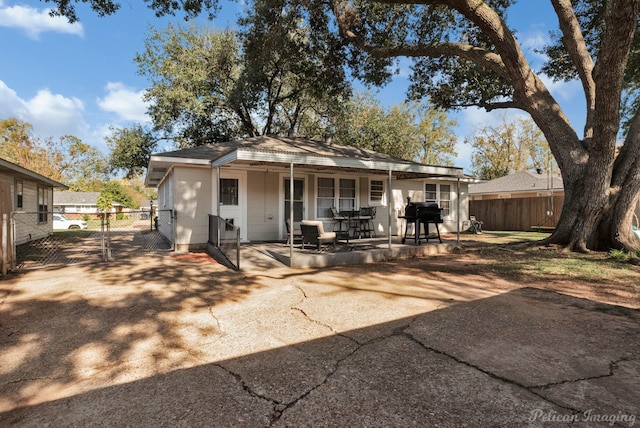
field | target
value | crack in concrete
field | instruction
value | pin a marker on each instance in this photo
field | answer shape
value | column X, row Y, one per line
column 317, row 322
column 275, row 404
column 613, row 365
column 218, row 326
column 487, row 372
column 285, row 406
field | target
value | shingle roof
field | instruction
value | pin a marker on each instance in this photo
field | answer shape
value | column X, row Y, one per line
column 284, row 151
column 75, row 198
column 291, row 145
column 523, row 181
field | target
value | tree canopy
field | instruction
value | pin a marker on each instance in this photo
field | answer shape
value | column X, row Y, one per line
column 509, row 147
column 466, row 54
column 407, row 131
column 209, row 85
column 68, row 160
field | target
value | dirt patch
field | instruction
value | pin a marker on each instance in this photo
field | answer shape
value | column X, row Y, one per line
column 196, row 257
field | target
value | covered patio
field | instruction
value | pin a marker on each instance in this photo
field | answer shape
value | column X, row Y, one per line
column 273, row 255
column 256, row 186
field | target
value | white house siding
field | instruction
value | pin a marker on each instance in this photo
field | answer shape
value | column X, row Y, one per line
column 263, row 205
column 27, row 227
column 415, row 189
column 191, row 194
column 166, row 202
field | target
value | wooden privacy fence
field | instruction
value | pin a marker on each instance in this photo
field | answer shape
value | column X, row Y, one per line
column 521, row 214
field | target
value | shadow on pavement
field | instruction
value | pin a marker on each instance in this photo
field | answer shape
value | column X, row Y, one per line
column 525, row 357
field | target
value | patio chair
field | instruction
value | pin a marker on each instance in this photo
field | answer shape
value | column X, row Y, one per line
column 297, row 233
column 365, row 220
column 337, row 217
column 313, row 233
column 475, row 226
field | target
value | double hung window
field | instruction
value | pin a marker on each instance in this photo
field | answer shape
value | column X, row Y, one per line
column 335, row 192
column 43, row 204
column 439, row 194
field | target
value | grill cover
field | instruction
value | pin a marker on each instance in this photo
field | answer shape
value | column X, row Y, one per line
column 423, row 211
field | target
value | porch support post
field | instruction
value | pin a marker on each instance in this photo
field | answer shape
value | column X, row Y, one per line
column 389, row 203
column 458, row 213
column 291, row 225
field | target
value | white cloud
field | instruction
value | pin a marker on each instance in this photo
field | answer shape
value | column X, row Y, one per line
column 531, row 44
column 56, row 113
column 51, row 115
column 11, row 104
column 35, row 22
column 125, row 102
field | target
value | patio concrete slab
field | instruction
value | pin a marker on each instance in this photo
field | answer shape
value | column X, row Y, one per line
column 168, row 341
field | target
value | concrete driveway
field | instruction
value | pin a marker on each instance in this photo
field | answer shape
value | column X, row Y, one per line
column 164, row 341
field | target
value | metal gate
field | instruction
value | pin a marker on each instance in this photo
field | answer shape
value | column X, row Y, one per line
column 87, row 238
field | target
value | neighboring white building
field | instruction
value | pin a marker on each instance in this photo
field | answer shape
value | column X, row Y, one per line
column 248, row 181
column 28, row 195
column 76, row 202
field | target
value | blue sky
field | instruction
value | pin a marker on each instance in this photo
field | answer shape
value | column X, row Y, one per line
column 80, row 79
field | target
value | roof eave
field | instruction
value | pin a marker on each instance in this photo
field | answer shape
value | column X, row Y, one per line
column 336, row 162
column 27, row 173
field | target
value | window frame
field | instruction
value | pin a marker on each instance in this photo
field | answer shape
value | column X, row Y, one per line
column 19, row 190
column 43, row 204
column 431, row 195
column 383, row 193
column 338, row 194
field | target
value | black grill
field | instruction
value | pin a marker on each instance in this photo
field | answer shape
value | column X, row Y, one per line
column 422, row 213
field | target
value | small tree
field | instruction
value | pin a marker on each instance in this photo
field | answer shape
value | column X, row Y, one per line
column 114, row 192
column 507, row 148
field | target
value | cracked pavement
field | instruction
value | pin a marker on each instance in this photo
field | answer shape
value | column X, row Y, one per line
column 158, row 341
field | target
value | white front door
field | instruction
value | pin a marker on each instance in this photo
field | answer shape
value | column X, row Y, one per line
column 233, row 199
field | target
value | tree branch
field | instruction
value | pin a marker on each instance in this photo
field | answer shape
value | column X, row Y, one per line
column 627, row 161
column 492, row 106
column 580, row 57
column 529, row 91
column 482, row 57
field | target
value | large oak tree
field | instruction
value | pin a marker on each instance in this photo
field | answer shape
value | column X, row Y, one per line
column 466, row 55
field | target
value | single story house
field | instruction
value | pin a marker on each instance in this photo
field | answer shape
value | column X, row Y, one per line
column 523, row 184
column 77, row 204
column 29, row 196
column 248, row 182
column 521, row 201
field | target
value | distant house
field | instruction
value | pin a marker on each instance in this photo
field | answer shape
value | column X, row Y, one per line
column 78, row 204
column 523, row 184
column 520, row 201
column 29, row 196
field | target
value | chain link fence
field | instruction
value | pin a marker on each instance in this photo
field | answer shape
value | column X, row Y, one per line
column 87, row 238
